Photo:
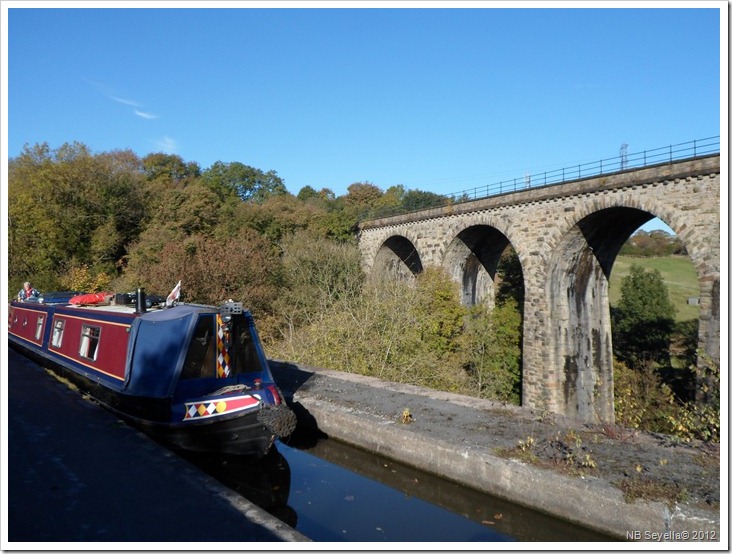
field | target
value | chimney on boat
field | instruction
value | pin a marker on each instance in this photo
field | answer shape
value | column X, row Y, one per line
column 140, row 301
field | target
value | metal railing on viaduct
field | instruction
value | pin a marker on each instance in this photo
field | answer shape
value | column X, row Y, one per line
column 624, row 162
column 567, row 237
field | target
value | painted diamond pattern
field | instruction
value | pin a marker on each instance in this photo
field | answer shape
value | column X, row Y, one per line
column 222, row 360
column 199, row 410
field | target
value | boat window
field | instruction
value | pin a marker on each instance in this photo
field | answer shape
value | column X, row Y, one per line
column 243, row 350
column 201, row 357
column 89, row 341
column 39, row 327
column 58, row 333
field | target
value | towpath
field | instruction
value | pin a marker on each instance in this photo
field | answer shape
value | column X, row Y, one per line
column 75, row 473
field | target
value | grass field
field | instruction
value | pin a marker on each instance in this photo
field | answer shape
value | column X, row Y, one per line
column 678, row 273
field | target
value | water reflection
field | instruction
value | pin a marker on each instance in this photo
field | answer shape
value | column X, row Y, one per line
column 330, row 491
column 523, row 524
column 264, row 482
column 335, row 504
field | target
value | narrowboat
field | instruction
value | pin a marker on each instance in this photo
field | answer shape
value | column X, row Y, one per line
column 192, row 376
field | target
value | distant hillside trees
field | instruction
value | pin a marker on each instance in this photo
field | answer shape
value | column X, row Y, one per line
column 649, row 244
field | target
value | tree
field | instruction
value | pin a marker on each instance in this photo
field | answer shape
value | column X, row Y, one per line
column 511, row 278
column 69, row 207
column 644, row 319
column 389, row 204
column 245, row 268
column 277, row 216
column 169, row 168
column 306, row 193
column 363, row 195
column 248, row 183
column 336, row 224
column 193, row 210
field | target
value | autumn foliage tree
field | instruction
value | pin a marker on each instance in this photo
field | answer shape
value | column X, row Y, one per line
column 246, row 182
column 212, row 271
column 70, row 208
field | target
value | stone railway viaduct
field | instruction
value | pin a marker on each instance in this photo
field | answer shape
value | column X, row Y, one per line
column 567, row 237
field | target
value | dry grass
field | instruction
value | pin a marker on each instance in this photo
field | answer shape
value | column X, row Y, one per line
column 647, row 488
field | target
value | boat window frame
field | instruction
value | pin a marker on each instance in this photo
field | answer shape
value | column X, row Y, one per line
column 39, row 327
column 57, row 337
column 88, row 342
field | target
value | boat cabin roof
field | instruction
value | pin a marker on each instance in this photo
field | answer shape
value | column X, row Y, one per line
column 153, row 314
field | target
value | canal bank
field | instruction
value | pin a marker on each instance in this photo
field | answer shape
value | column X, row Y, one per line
column 75, row 473
column 584, row 474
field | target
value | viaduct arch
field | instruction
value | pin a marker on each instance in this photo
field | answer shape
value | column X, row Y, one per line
column 567, row 237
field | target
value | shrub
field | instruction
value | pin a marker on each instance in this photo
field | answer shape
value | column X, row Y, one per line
column 491, row 347
column 316, row 274
column 393, row 330
column 643, row 401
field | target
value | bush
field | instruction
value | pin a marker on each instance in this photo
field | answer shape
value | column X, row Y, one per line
column 316, row 274
column 393, row 331
column 701, row 420
column 643, row 401
column 492, row 351
column 438, row 312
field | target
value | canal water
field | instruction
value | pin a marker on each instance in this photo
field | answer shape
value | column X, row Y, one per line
column 333, row 492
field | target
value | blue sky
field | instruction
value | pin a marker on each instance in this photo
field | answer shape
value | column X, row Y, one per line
column 438, row 99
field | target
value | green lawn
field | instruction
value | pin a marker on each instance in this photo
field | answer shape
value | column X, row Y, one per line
column 678, row 273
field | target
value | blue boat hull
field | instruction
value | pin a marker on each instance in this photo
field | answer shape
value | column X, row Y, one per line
column 239, row 414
